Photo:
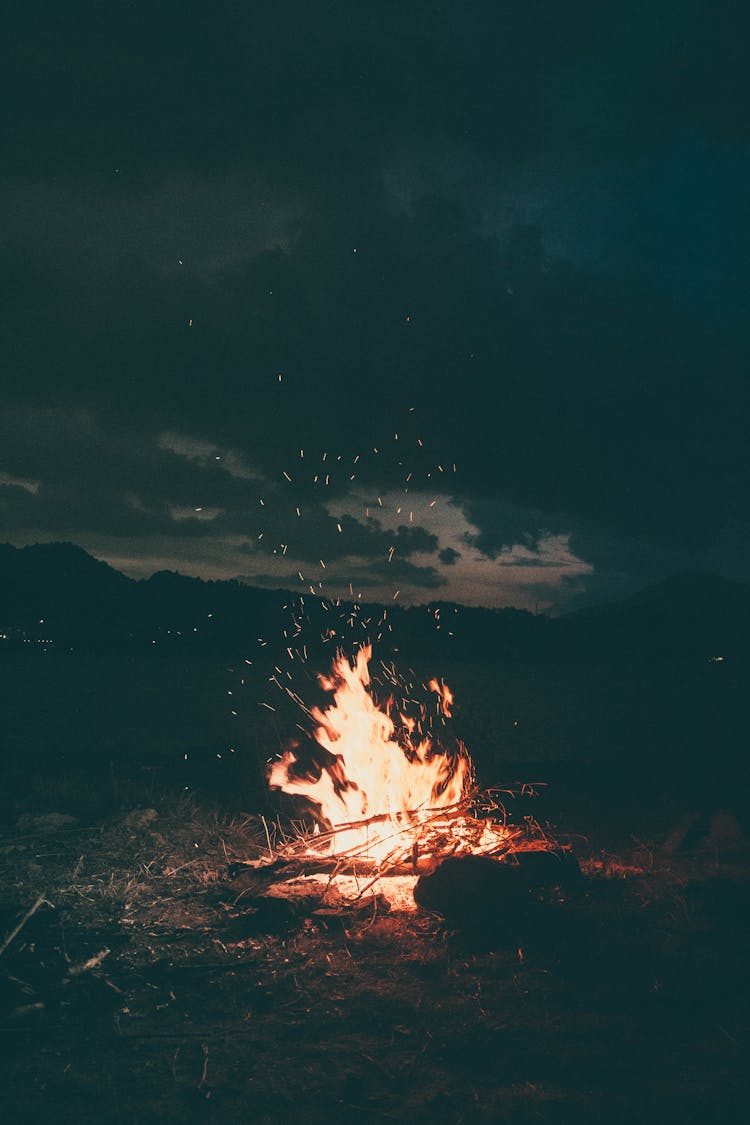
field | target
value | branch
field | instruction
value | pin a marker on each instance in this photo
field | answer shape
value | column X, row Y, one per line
column 32, row 910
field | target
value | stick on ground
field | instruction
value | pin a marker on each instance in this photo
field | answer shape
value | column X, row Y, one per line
column 32, row 910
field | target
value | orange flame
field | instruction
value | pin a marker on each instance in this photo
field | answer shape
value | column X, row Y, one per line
column 376, row 780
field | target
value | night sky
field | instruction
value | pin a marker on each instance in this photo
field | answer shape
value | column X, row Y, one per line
column 465, row 285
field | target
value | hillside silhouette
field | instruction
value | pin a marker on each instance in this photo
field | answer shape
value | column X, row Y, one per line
column 58, row 597
column 695, row 614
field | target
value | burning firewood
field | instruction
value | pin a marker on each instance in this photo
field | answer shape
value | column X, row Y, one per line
column 390, row 802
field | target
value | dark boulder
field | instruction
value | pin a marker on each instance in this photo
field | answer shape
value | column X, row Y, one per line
column 481, row 893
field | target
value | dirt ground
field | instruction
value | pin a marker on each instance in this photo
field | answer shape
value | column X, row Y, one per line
column 147, row 985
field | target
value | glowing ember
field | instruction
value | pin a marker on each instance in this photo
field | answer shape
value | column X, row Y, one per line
column 379, row 778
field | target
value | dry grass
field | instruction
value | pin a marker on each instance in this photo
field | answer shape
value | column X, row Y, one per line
column 148, row 985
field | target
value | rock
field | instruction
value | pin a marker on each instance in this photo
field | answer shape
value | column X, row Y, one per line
column 477, row 891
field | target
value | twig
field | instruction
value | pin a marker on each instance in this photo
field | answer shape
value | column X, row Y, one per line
column 92, row 963
column 331, row 878
column 202, row 1082
column 268, row 838
column 170, row 871
column 32, row 910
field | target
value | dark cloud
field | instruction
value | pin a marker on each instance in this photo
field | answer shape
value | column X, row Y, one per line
column 315, row 535
column 372, row 575
column 296, row 78
column 513, row 235
column 141, row 485
column 503, row 525
column 333, row 84
column 449, row 556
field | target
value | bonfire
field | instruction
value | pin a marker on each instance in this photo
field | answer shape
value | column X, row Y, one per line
column 388, row 792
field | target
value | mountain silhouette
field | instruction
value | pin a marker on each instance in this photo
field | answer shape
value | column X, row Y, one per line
column 58, row 588
column 694, row 592
column 692, row 614
column 58, row 594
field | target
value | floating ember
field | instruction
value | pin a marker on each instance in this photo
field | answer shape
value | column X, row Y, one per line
column 385, row 791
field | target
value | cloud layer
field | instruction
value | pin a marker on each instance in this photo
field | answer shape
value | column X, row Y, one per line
column 267, row 262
